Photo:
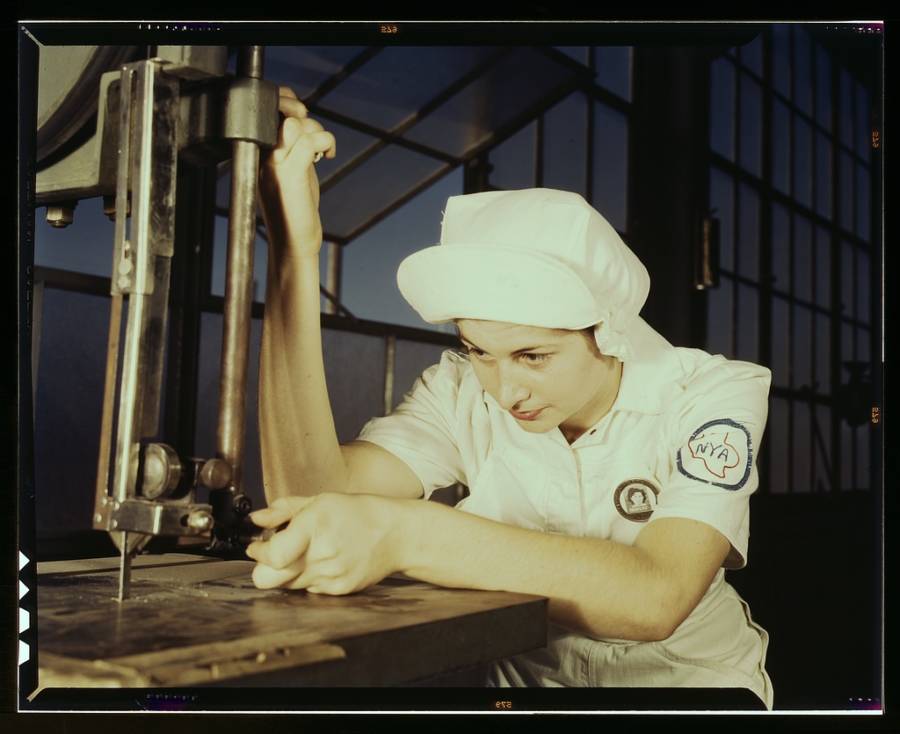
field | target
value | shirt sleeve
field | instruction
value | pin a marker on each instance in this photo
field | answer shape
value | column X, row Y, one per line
column 714, row 433
column 422, row 429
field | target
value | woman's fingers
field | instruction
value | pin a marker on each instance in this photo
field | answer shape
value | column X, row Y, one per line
column 299, row 575
column 298, row 127
column 308, row 145
column 295, row 126
column 289, row 105
column 315, row 576
column 303, row 139
column 286, row 546
column 291, row 130
column 280, row 511
column 266, row 577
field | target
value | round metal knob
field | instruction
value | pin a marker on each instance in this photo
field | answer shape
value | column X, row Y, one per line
column 162, row 471
column 215, row 474
column 200, row 520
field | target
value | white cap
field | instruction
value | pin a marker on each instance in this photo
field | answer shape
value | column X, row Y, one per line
column 537, row 257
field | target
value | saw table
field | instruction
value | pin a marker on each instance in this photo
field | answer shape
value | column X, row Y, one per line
column 199, row 621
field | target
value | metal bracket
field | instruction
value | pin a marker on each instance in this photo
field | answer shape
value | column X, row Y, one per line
column 90, row 170
column 706, row 253
column 153, row 518
column 251, row 111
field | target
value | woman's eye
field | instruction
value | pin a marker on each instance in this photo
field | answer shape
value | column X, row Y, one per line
column 535, row 358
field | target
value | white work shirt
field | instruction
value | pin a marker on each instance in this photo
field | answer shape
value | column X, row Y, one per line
column 679, row 441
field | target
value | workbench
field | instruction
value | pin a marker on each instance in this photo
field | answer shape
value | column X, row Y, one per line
column 199, row 621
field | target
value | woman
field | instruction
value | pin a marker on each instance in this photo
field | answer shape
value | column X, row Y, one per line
column 607, row 470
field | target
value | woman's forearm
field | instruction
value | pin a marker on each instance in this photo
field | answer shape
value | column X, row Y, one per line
column 595, row 586
column 298, row 442
column 300, row 452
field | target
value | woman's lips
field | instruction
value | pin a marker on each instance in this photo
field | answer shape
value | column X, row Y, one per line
column 526, row 416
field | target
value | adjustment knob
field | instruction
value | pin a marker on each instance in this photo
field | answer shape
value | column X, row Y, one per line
column 162, row 471
column 216, row 473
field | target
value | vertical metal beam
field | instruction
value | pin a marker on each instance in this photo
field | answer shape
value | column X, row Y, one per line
column 589, row 150
column 700, row 73
column 765, row 228
column 792, row 302
column 664, row 201
column 390, row 355
column 837, row 450
column 333, row 263
column 476, row 174
column 238, row 288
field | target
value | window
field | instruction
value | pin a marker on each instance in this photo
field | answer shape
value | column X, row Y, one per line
column 369, row 270
column 789, row 181
column 579, row 144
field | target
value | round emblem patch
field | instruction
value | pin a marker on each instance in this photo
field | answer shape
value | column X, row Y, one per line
column 719, row 453
column 636, row 499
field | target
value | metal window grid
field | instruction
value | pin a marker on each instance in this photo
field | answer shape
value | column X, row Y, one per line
column 796, row 395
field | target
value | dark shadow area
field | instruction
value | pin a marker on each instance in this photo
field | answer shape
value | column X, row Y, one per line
column 812, row 583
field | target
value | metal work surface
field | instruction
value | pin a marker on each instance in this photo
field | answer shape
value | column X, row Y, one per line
column 194, row 621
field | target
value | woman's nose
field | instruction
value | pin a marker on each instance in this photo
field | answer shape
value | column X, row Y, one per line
column 511, row 390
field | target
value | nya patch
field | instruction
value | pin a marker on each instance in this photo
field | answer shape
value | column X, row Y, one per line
column 719, row 453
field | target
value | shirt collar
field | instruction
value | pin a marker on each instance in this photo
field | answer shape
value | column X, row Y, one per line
column 647, row 377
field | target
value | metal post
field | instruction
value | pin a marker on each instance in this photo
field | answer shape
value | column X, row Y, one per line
column 390, row 354
column 238, row 287
column 333, row 276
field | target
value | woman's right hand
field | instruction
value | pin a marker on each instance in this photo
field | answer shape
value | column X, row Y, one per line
column 289, row 187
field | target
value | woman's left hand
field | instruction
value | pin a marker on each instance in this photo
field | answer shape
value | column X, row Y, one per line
column 333, row 544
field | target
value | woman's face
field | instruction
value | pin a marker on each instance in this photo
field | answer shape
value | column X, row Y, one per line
column 544, row 377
